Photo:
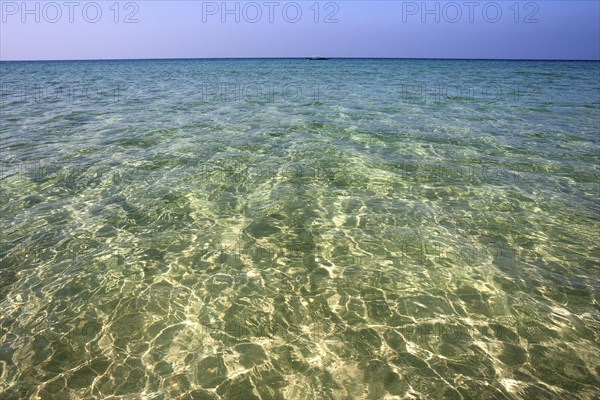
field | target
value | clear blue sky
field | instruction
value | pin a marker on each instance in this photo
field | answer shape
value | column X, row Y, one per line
column 548, row 29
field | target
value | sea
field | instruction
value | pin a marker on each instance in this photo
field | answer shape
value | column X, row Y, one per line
column 342, row 229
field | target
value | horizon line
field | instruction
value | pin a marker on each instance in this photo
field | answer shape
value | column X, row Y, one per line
column 302, row 58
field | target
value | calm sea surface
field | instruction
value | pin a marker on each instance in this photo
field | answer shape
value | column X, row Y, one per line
column 293, row 229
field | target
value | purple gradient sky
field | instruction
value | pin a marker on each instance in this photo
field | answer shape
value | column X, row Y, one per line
column 175, row 29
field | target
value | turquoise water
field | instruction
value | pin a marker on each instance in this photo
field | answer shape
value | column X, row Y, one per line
column 292, row 229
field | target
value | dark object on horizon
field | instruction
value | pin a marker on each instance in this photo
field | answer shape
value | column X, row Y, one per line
column 317, row 58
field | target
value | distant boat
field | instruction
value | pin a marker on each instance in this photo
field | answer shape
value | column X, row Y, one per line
column 313, row 58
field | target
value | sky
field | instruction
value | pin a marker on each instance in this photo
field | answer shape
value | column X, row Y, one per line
column 69, row 29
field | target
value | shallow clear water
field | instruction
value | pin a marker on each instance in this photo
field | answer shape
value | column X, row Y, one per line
column 292, row 229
